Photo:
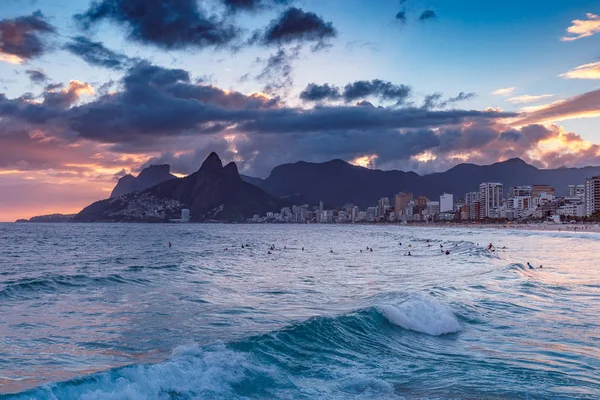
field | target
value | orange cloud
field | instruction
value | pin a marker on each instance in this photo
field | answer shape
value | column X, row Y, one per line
column 585, row 71
column 586, row 105
column 529, row 98
column 366, row 161
column 582, row 28
column 11, row 58
column 504, row 92
column 79, row 88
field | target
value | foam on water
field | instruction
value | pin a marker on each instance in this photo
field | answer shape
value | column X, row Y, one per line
column 190, row 372
column 98, row 319
column 421, row 313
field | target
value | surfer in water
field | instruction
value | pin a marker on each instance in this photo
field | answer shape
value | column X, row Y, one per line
column 169, row 244
column 529, row 265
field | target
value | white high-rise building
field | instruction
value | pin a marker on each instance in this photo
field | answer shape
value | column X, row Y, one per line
column 433, row 207
column 520, row 191
column 576, row 191
column 471, row 197
column 592, row 195
column 185, row 215
column 490, row 197
column 446, row 202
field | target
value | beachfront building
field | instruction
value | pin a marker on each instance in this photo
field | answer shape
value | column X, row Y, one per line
column 446, row 202
column 576, row 191
column 401, row 200
column 592, row 195
column 520, row 191
column 372, row 213
column 490, row 198
column 383, row 206
column 421, row 201
column 537, row 190
column 572, row 210
column 433, row 207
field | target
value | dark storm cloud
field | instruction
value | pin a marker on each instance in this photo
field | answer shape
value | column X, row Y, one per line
column 161, row 102
column 157, row 107
column 382, row 90
column 434, row 100
column 297, row 26
column 95, row 53
column 252, row 5
column 364, row 103
column 461, row 97
column 401, row 17
column 66, row 97
column 512, row 135
column 314, row 92
column 22, row 37
column 37, row 77
column 168, row 24
column 428, row 15
column 344, row 118
column 277, row 72
column 53, row 86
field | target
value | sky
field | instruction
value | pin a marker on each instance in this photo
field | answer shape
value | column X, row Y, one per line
column 91, row 90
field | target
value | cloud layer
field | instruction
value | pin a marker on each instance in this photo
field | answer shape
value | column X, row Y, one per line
column 586, row 71
column 582, row 28
column 23, row 38
column 168, row 24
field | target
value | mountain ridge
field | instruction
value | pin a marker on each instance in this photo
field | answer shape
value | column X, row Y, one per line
column 337, row 182
column 148, row 177
column 214, row 192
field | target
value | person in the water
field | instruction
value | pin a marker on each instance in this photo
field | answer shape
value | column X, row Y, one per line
column 447, row 252
column 169, row 244
column 529, row 265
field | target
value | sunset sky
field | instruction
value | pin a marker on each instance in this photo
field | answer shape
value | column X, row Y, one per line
column 92, row 90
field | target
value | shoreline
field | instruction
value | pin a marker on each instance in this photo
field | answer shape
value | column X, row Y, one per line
column 543, row 227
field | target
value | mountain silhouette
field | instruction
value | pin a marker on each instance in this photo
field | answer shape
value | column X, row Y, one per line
column 337, row 182
column 150, row 176
column 214, row 192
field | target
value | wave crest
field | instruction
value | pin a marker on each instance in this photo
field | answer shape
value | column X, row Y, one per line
column 421, row 313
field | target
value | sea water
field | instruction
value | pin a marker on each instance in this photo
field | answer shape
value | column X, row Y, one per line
column 110, row 311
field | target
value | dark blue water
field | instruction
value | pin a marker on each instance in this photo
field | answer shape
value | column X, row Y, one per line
column 111, row 312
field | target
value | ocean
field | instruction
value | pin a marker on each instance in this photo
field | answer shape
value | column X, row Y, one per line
column 110, row 311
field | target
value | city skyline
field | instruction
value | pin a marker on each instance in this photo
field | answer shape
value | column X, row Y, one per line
column 522, row 203
column 91, row 91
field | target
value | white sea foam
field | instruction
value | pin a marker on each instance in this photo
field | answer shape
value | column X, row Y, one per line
column 421, row 313
column 191, row 372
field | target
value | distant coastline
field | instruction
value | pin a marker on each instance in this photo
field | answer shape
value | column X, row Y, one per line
column 545, row 227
